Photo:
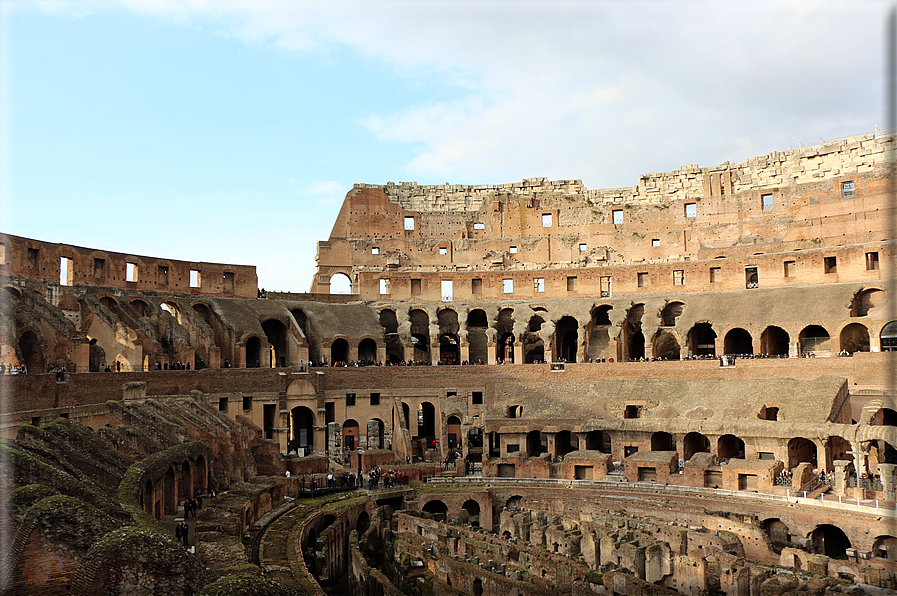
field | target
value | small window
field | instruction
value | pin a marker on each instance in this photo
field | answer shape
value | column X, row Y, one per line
column 227, row 280
column 163, row 275
column 476, row 398
column 375, row 399
column 571, row 283
column 350, row 399
column 655, row 242
column 766, row 455
column 33, row 257
column 513, row 250
column 247, row 402
column 409, row 223
column 443, row 250
column 222, row 404
column 871, row 261
column 691, row 210
column 513, row 447
column 583, row 247
column 99, row 268
column 751, row 279
column 618, row 216
column 642, row 279
column 375, row 250
column 678, row 277
column 632, row 411
column 479, row 226
column 507, row 286
column 447, row 289
column 848, row 189
column 415, row 287
column 546, row 220
column 830, row 264
column 539, row 284
column 715, row 275
column 66, row 271
column 194, row 278
column 766, row 201
column 605, row 286
column 476, row 286
column 130, row 271
column 384, row 285
column 790, row 268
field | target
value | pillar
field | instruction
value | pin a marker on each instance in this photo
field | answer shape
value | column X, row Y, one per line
column 518, row 352
column 843, row 469
column 889, row 490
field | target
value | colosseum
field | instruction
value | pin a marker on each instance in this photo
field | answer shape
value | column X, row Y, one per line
column 682, row 386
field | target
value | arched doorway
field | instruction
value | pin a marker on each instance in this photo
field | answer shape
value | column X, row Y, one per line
column 671, row 312
column 774, row 341
column 533, row 344
column 253, row 352
column 504, row 328
column 598, row 440
column 814, row 339
column 889, row 337
column 567, row 339
column 694, row 443
column 426, row 420
column 339, row 351
column 367, row 351
column 420, row 335
column 437, row 509
column 599, row 332
column 472, row 508
column 351, row 435
column 632, row 338
column 663, row 441
column 535, row 444
column 564, row 443
column 449, row 350
column 303, row 432
column 829, row 540
column 702, row 340
column 665, row 345
column 276, row 332
column 738, row 341
column 730, row 447
column 340, row 284
column 854, row 338
column 477, row 340
column 801, row 450
column 32, row 353
column 453, row 432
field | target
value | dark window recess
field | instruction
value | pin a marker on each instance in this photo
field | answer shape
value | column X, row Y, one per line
column 476, row 397
column 99, row 268
column 375, row 399
column 268, row 414
column 632, row 412
column 350, row 399
column 33, row 256
column 415, row 287
column 222, row 404
column 871, row 261
column 247, row 402
column 329, row 412
column 751, row 280
column 831, row 264
column 513, row 448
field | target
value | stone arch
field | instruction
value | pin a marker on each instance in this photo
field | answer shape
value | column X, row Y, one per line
column 730, row 447
column 436, row 508
column 665, row 345
column 32, row 351
column 854, row 338
column 533, row 344
column 662, row 441
column 801, row 450
column 885, row 547
column 339, row 350
column 340, row 283
column 351, row 434
column 535, row 443
column 367, row 350
column 778, row 533
column 253, row 351
column 702, row 340
column 738, row 341
column 477, row 340
column 774, row 341
column 888, row 337
column 426, row 420
column 599, row 331
column 829, row 540
column 362, row 522
column 671, row 312
column 814, row 339
column 598, row 440
column 564, row 443
column 504, row 332
column 420, row 334
column 303, row 428
column 276, row 334
column 566, row 339
column 632, row 340
column 472, row 507
column 694, row 442
column 141, row 307
column 865, row 300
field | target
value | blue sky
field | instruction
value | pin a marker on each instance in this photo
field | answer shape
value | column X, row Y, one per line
column 230, row 130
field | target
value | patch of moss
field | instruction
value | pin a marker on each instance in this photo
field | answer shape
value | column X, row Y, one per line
column 245, row 584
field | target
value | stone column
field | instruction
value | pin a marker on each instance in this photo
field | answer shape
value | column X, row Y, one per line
column 888, row 481
column 464, row 353
column 518, row 352
column 843, row 469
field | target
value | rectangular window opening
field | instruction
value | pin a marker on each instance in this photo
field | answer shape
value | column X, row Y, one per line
column 99, row 268
column 830, row 264
column 513, row 250
column 871, row 261
column 715, row 275
column 848, row 189
column 679, row 277
column 790, row 268
column 476, row 286
column 507, row 286
column 66, row 271
column 476, row 398
column 642, row 279
column 583, row 247
column 227, row 280
column 247, row 402
column 766, row 201
column 384, row 285
column 751, row 279
column 163, row 275
column 546, row 220
column 375, row 250
column 131, row 272
column 2, row 254
column 655, row 242
column 350, row 399
column 195, row 278
column 479, row 226
column 618, row 216
column 539, row 284
column 375, row 399
column 222, row 404
column 571, row 283
column 33, row 257
column 415, row 287
column 443, row 250
column 691, row 210
column 446, row 287
column 409, row 223
column 605, row 286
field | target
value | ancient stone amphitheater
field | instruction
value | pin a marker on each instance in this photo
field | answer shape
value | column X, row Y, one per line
column 683, row 386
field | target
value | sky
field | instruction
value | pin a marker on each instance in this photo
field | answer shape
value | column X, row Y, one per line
column 230, row 130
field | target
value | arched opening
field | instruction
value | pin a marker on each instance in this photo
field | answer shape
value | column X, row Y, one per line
column 339, row 351
column 671, row 312
column 738, row 341
column 730, row 447
column 513, row 502
column 477, row 340
column 854, row 338
column 702, row 340
column 837, row 448
column 420, row 335
column 504, row 327
column 599, row 332
column 885, row 547
column 367, row 351
column 888, row 417
column 395, row 349
column 535, row 444
column 32, row 353
column 567, row 339
column 778, row 533
column 473, row 512
column 437, row 509
column 351, row 434
column 663, row 441
column 388, row 321
column 314, row 354
column 565, row 442
column 449, row 349
column 97, row 357
column 477, row 588
column 866, row 300
column 253, row 352
column 694, row 443
column 276, row 332
column 889, row 337
column 426, row 421
column 453, row 432
column 362, row 523
column 774, row 341
column 303, row 431
column 815, row 340
column 829, row 540
column 881, row 452
column 340, row 284
column 632, row 338
column 141, row 308
column 515, row 411
column 801, row 450
column 598, row 440
column 533, row 344
column 665, row 345
column 375, row 433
